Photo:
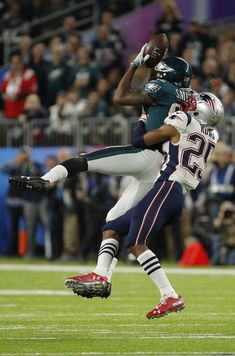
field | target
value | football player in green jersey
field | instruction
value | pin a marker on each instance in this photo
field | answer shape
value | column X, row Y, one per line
column 161, row 96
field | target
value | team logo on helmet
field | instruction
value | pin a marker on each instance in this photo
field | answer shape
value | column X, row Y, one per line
column 163, row 67
column 209, row 100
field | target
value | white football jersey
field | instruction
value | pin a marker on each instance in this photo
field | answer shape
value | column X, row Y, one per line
column 185, row 161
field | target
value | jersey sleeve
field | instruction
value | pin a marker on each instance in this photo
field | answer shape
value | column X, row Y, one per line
column 179, row 120
column 155, row 89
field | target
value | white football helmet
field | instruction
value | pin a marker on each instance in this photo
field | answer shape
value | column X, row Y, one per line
column 209, row 109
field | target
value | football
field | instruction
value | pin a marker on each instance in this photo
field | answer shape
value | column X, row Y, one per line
column 157, row 49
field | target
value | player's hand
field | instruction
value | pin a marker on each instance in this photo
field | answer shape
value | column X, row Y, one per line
column 140, row 59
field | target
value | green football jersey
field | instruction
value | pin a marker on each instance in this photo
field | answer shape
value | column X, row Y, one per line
column 167, row 98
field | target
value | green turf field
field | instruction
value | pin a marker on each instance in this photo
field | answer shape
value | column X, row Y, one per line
column 39, row 316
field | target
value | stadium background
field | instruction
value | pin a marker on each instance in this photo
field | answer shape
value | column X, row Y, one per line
column 201, row 31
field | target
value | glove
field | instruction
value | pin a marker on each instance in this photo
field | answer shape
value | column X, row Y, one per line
column 137, row 139
column 143, row 117
column 140, row 59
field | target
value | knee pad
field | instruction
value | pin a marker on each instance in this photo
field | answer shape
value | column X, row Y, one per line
column 75, row 165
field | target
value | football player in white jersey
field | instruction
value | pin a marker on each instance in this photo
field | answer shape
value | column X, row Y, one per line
column 189, row 140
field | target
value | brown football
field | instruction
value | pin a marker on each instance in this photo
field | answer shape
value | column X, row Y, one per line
column 157, row 49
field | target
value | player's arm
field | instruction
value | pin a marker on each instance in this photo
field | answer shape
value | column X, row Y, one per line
column 173, row 126
column 141, row 139
column 165, row 132
column 125, row 95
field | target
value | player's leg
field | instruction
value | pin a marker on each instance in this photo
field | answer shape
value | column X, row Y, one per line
column 163, row 203
column 98, row 282
column 118, row 218
column 118, row 160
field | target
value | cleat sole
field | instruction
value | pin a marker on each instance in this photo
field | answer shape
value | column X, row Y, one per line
column 162, row 315
column 90, row 290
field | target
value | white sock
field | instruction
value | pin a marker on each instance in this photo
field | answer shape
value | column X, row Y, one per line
column 150, row 263
column 108, row 250
column 56, row 173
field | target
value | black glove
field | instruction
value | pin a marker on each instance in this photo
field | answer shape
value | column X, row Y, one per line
column 137, row 139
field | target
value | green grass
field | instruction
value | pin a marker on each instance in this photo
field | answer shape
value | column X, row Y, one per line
column 63, row 323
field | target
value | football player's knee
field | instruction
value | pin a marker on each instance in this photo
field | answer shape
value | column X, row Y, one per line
column 137, row 249
column 110, row 234
column 75, row 165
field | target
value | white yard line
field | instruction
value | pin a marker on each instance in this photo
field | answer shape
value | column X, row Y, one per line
column 121, row 269
column 136, row 353
column 35, row 292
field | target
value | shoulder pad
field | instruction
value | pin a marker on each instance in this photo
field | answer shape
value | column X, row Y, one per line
column 179, row 119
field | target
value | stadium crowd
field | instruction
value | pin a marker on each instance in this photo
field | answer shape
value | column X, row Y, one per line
column 67, row 79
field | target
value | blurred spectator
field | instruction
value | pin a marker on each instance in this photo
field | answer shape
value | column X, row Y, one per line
column 12, row 17
column 226, row 51
column 171, row 20
column 35, row 210
column 57, row 75
column 228, row 100
column 95, row 107
column 197, row 84
column 71, row 52
column 55, row 211
column 195, row 41
column 114, row 77
column 71, row 239
column 85, row 75
column 107, row 51
column 25, row 45
column 230, row 77
column 39, row 66
column 226, row 127
column 174, row 44
column 17, row 84
column 71, row 236
column 211, row 53
column 209, row 70
column 101, row 195
column 63, row 115
column 14, row 200
column 33, row 110
column 107, row 18
column 219, row 187
column 69, row 25
column 103, row 90
column 225, row 226
column 55, row 42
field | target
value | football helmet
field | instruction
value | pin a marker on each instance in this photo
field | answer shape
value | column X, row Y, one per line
column 176, row 70
column 209, row 109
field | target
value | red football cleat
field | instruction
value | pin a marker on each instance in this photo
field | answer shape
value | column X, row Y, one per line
column 167, row 306
column 89, row 285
